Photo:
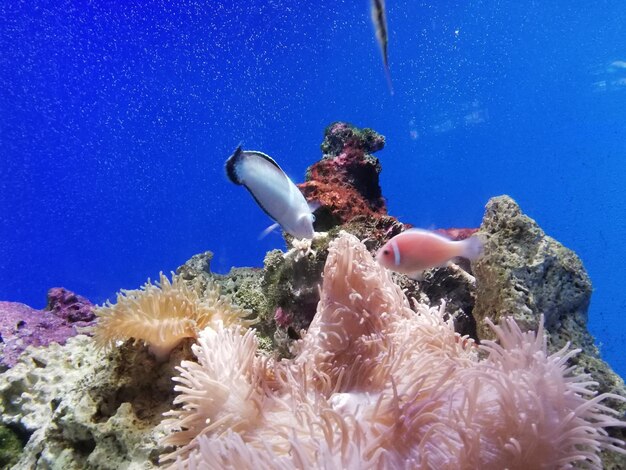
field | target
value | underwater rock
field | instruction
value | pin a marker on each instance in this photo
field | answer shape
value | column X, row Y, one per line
column 345, row 181
column 70, row 306
column 77, row 407
column 290, row 285
column 241, row 285
column 524, row 273
column 22, row 326
column 341, row 136
column 457, row 288
column 197, row 266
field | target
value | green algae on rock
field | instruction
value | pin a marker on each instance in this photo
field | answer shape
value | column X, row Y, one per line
column 81, row 408
column 524, row 273
column 10, row 447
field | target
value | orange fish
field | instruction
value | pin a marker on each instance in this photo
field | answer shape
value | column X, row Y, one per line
column 414, row 250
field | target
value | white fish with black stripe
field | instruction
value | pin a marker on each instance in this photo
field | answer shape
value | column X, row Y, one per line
column 273, row 191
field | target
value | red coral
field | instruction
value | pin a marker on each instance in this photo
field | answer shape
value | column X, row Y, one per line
column 345, row 181
column 457, row 233
column 340, row 202
column 282, row 318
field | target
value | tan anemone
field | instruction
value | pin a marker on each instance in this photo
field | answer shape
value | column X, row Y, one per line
column 163, row 314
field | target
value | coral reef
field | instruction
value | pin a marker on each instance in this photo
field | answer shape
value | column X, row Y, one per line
column 291, row 285
column 346, row 184
column 375, row 381
column 290, row 281
column 162, row 315
column 22, row 326
column 197, row 266
column 345, row 181
column 244, row 286
column 77, row 407
column 70, row 306
column 375, row 384
column 525, row 273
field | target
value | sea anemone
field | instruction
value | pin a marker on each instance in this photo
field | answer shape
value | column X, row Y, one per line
column 222, row 390
column 163, row 314
column 376, row 384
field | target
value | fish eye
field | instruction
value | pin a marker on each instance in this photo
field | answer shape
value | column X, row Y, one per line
column 385, row 252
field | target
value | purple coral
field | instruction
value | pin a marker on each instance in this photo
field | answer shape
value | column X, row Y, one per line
column 22, row 326
column 71, row 307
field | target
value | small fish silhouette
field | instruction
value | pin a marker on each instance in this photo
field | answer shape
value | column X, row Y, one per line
column 379, row 19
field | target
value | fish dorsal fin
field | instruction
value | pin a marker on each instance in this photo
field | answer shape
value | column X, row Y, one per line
column 263, row 156
column 432, row 233
column 233, row 162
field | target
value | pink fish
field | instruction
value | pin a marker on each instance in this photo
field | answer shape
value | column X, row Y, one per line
column 415, row 250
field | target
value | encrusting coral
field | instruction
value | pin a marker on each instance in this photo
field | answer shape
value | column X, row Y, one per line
column 163, row 314
column 21, row 326
column 376, row 384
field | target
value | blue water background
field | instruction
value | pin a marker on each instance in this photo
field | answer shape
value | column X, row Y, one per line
column 116, row 119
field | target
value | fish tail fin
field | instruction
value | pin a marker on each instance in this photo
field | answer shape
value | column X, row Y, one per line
column 473, row 248
column 232, row 163
column 416, row 276
column 314, row 205
column 388, row 77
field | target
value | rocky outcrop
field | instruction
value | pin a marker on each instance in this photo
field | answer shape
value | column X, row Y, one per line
column 524, row 273
column 77, row 407
column 21, row 326
column 345, row 181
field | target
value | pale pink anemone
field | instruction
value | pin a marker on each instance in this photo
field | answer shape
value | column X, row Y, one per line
column 376, row 385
